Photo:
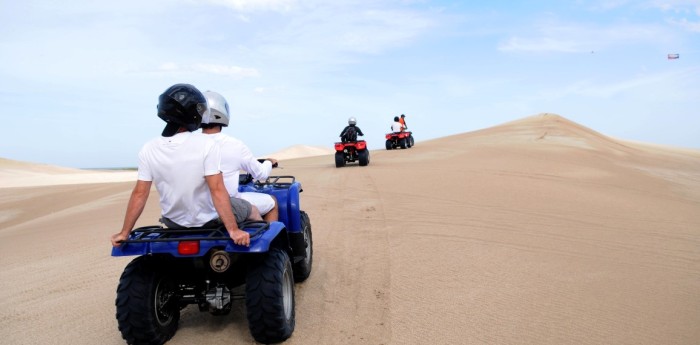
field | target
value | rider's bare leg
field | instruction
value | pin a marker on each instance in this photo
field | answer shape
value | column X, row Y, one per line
column 254, row 214
column 274, row 213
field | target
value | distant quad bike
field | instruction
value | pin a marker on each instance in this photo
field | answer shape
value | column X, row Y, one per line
column 401, row 139
column 202, row 266
column 351, row 151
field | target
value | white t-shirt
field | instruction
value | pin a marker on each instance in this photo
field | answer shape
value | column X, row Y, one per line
column 177, row 166
column 236, row 156
column 396, row 127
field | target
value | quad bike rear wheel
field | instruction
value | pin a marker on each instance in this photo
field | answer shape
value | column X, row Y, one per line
column 302, row 269
column 339, row 159
column 411, row 142
column 389, row 145
column 402, row 143
column 148, row 311
column 363, row 157
column 270, row 298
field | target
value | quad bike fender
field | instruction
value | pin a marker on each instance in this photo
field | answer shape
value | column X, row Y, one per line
column 153, row 244
column 399, row 135
column 358, row 145
column 287, row 202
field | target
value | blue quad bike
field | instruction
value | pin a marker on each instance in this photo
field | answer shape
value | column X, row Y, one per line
column 202, row 266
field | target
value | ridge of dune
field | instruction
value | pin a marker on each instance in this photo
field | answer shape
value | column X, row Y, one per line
column 548, row 128
column 555, row 132
column 11, row 166
column 15, row 173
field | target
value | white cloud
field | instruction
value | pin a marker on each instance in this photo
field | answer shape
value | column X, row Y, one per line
column 168, row 66
column 687, row 25
column 223, row 70
column 257, row 5
column 545, row 44
column 230, row 71
column 678, row 6
column 336, row 34
column 667, row 85
column 574, row 38
column 610, row 4
column 375, row 30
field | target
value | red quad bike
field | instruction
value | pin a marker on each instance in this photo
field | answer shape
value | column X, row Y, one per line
column 401, row 139
column 351, row 151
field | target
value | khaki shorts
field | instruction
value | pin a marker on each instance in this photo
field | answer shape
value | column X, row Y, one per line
column 241, row 209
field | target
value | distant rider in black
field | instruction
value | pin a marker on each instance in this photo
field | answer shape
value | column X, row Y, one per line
column 351, row 131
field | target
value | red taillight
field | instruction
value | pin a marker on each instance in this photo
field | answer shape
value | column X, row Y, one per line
column 361, row 145
column 339, row 147
column 188, row 247
column 388, row 136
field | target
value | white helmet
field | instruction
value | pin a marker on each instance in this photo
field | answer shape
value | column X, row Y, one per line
column 218, row 109
column 352, row 121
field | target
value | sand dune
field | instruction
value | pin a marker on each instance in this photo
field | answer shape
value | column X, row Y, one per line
column 537, row 231
column 21, row 174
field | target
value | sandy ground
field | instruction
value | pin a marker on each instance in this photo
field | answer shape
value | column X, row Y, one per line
column 538, row 231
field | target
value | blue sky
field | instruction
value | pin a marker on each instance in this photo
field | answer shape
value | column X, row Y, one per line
column 80, row 79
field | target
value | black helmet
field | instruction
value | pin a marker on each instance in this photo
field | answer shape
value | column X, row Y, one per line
column 181, row 105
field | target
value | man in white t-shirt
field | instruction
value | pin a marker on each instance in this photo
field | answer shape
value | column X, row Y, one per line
column 397, row 126
column 185, row 168
column 236, row 157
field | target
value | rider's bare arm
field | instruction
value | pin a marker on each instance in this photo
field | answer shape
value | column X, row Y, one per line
column 222, row 203
column 137, row 202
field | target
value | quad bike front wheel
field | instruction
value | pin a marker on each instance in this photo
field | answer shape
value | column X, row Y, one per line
column 270, row 298
column 411, row 142
column 363, row 157
column 302, row 269
column 148, row 311
column 339, row 159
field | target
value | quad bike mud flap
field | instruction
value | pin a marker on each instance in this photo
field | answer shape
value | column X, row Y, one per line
column 158, row 240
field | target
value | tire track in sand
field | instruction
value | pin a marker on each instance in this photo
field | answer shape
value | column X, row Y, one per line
column 346, row 299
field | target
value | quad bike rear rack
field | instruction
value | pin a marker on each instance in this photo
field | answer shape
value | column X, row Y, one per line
column 160, row 234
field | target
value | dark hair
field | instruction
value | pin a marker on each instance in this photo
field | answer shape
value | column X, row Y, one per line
column 210, row 125
column 396, row 118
